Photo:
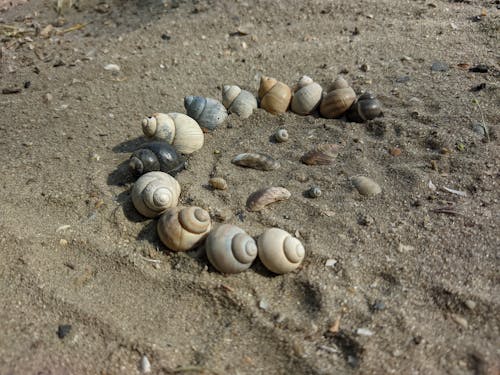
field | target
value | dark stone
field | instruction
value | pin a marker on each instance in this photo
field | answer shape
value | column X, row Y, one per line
column 481, row 68
column 438, row 66
column 27, row 84
column 63, row 330
column 479, row 87
column 165, row 36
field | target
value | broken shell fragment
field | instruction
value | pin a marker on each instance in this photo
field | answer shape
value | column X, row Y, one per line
column 366, row 186
column 218, row 183
column 256, row 160
column 322, row 154
column 261, row 198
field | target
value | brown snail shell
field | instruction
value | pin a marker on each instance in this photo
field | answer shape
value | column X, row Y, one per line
column 322, row 154
column 367, row 107
column 307, row 96
column 338, row 100
column 218, row 183
column 279, row 251
column 155, row 192
column 238, row 101
column 178, row 129
column 182, row 229
column 256, row 160
column 274, row 96
column 230, row 249
column 261, row 198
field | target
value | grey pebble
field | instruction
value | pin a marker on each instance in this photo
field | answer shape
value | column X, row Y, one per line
column 63, row 330
column 378, row 305
column 438, row 66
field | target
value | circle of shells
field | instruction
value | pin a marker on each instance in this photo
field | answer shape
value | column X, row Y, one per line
column 171, row 135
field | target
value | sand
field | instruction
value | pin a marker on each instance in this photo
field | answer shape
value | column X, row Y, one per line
column 411, row 285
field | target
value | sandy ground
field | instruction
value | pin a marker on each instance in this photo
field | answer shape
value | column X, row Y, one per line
column 416, row 268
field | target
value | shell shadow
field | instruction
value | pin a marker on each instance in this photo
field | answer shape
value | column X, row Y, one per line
column 121, row 176
column 129, row 145
column 148, row 233
column 260, row 269
column 125, row 201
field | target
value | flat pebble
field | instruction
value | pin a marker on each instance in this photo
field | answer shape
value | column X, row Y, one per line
column 366, row 186
column 112, row 67
column 331, row 262
column 263, row 304
column 471, row 305
column 460, row 320
column 438, row 66
column 364, row 332
column 145, row 365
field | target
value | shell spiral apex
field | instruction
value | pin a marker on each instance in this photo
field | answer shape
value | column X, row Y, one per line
column 182, row 229
column 230, row 249
column 238, row 101
column 279, row 251
column 274, row 96
column 155, row 192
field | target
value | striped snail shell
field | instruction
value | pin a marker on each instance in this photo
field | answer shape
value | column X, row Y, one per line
column 238, row 101
column 307, row 96
column 338, row 100
column 230, row 249
column 179, row 130
column 367, row 107
column 209, row 113
column 279, row 251
column 182, row 229
column 155, row 192
column 274, row 96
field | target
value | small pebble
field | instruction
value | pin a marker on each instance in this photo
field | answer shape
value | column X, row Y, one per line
column 460, row 320
column 366, row 186
column 27, row 84
column 63, row 330
column 331, row 262
column 364, row 67
column 471, row 305
column 439, row 66
column 112, row 67
column 479, row 129
column 145, row 365
column 378, row 305
column 364, row 332
column 48, row 97
column 481, row 68
column 403, row 79
column 263, row 304
column 396, row 151
column 63, row 242
column 365, row 220
column 314, row 192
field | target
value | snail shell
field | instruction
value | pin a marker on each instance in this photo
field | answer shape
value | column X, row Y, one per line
column 281, row 135
column 218, row 183
column 274, row 96
column 314, row 192
column 261, row 198
column 208, row 112
column 338, row 100
column 182, row 229
column 367, row 107
column 230, row 249
column 256, row 160
column 307, row 96
column 155, row 192
column 322, row 154
column 238, row 101
column 179, row 130
column 279, row 251
column 156, row 156
column 366, row 186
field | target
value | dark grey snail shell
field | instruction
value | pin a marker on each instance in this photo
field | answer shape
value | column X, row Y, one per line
column 367, row 107
column 209, row 113
column 156, row 156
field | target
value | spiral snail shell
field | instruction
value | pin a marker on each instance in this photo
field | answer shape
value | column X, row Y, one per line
column 274, row 96
column 367, row 107
column 182, row 229
column 338, row 100
column 307, row 96
column 238, row 101
column 279, row 251
column 230, row 249
column 179, row 130
column 155, row 192
column 209, row 113
column 155, row 156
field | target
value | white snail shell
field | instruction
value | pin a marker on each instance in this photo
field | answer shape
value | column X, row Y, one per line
column 155, row 192
column 230, row 249
column 207, row 111
column 238, row 101
column 307, row 96
column 182, row 229
column 279, row 251
column 178, row 129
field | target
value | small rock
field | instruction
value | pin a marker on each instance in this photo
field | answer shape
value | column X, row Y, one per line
column 481, row 68
column 439, row 66
column 112, row 67
column 403, row 79
column 366, row 186
column 263, row 304
column 460, row 320
column 63, row 242
column 330, row 263
column 471, row 305
column 63, row 330
column 48, row 98
column 365, row 220
column 364, row 332
column 378, row 305
column 405, row 248
column 395, row 151
column 364, row 67
column 145, row 365
column 397, row 353
column 417, row 340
